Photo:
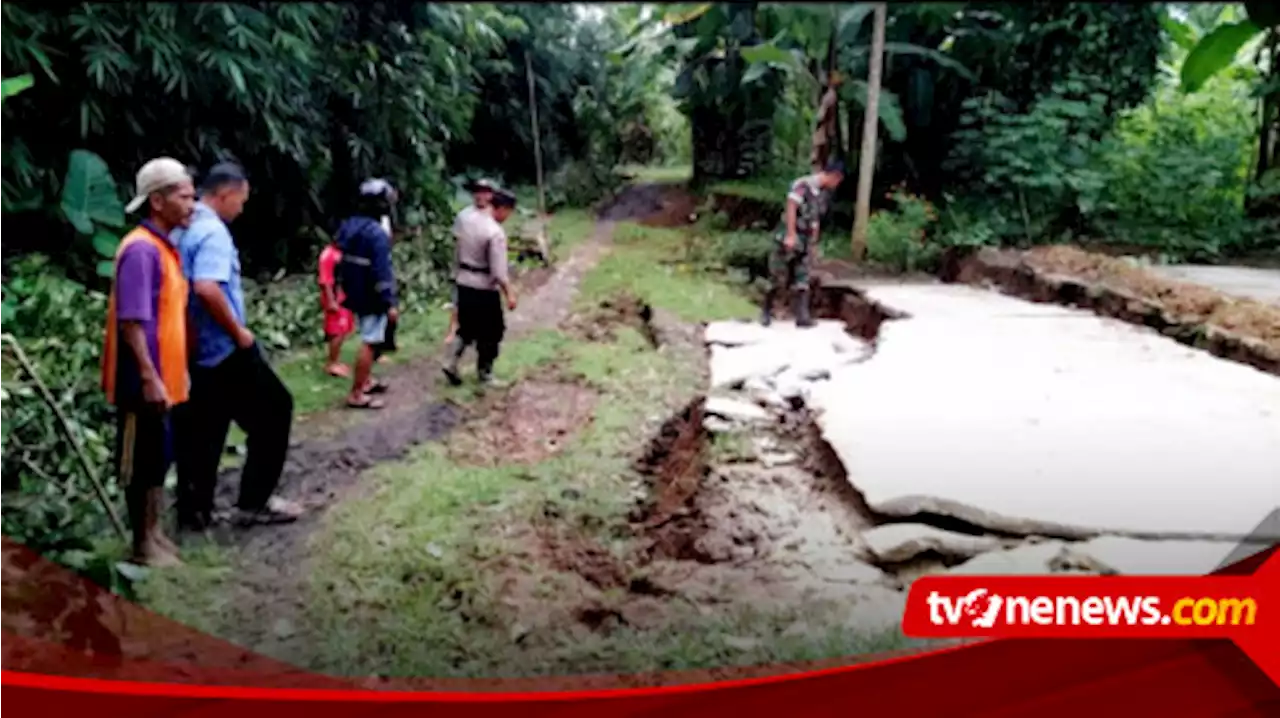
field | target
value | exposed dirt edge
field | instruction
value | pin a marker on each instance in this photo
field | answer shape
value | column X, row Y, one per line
column 675, row 463
column 1012, row 275
column 862, row 316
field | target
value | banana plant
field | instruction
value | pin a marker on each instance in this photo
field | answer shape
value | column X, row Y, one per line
column 1218, row 49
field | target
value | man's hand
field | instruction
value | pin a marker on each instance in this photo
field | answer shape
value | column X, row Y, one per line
column 789, row 242
column 511, row 302
column 393, row 314
column 244, row 338
column 154, row 394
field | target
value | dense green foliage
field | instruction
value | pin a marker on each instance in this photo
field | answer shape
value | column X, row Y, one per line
column 311, row 98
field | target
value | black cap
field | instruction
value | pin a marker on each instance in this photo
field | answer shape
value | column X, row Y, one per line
column 503, row 198
column 835, row 166
column 221, row 174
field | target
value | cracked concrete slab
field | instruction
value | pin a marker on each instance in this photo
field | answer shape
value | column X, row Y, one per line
column 897, row 543
column 1027, row 560
column 735, row 410
column 1038, row 419
column 1125, row 556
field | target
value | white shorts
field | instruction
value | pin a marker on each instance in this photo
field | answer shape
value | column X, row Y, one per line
column 372, row 328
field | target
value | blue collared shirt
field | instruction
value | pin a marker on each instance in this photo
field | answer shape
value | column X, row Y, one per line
column 209, row 254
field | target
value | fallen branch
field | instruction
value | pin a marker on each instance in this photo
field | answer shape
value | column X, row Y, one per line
column 65, row 425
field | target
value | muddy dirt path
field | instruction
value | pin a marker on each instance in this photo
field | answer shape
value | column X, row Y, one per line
column 325, row 465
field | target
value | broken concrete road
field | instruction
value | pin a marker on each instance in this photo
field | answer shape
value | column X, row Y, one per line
column 1248, row 282
column 1033, row 419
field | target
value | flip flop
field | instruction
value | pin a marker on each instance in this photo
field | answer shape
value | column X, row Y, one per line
column 277, row 511
column 367, row 403
column 376, row 387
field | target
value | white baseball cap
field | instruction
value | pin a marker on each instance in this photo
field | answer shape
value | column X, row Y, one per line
column 155, row 176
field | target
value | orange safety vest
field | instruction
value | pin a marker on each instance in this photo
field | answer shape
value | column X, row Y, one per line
column 171, row 321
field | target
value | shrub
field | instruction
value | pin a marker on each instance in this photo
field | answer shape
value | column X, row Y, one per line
column 1175, row 173
column 898, row 239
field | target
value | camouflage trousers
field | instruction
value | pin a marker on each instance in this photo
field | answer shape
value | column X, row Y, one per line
column 789, row 270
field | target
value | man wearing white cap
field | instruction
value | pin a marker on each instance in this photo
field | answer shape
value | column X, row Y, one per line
column 144, row 358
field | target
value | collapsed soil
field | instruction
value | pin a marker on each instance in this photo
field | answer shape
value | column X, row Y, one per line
column 1191, row 302
column 600, row 324
column 1239, row 329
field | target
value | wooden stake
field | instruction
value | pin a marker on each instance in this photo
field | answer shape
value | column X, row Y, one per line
column 870, row 124
column 537, row 142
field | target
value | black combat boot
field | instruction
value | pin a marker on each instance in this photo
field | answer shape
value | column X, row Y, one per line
column 800, row 308
column 766, row 314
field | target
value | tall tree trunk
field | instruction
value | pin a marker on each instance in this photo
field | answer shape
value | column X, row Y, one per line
column 870, row 124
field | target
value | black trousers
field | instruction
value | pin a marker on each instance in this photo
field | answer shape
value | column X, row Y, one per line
column 388, row 345
column 243, row 388
column 481, row 322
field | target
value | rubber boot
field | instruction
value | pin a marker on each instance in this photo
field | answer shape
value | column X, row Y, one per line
column 766, row 314
column 456, row 348
column 800, row 307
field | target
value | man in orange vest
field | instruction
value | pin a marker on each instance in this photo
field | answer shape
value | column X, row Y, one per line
column 144, row 361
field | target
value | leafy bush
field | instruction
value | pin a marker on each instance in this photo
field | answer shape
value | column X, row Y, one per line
column 1041, row 164
column 745, row 251
column 48, row 503
column 581, row 183
column 897, row 239
column 1175, row 171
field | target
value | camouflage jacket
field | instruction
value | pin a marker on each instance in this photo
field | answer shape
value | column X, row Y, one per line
column 811, row 201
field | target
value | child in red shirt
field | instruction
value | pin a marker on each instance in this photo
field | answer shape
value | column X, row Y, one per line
column 338, row 321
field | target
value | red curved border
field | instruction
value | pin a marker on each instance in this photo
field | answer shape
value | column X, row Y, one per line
column 992, row 677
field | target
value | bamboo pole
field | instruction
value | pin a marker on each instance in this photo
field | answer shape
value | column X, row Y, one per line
column 537, row 142
column 65, row 426
column 870, row 125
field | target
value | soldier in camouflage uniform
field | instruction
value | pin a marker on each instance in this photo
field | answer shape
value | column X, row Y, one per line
column 796, row 240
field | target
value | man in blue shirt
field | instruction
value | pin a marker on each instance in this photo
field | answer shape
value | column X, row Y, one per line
column 230, row 378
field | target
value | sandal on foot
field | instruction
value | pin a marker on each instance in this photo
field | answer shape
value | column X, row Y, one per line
column 366, row 402
column 340, row 371
column 277, row 511
column 375, row 387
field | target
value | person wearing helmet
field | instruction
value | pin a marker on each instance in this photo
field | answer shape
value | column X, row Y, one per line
column 368, row 283
column 797, row 240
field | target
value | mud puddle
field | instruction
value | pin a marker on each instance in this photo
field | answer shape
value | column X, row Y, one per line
column 654, row 205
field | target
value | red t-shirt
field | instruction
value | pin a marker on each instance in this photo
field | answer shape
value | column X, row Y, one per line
column 329, row 259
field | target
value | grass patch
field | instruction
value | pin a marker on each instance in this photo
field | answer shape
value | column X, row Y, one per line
column 648, row 264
